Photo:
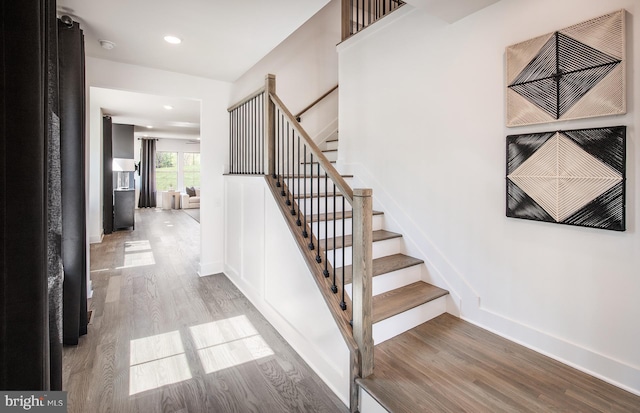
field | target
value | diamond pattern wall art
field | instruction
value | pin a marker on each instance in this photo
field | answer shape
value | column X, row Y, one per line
column 577, row 72
column 574, row 177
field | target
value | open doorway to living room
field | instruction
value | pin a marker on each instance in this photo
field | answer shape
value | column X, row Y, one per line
column 157, row 138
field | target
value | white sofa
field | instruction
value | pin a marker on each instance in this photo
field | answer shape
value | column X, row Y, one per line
column 187, row 201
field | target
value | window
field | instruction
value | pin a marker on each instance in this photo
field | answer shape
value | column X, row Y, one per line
column 166, row 170
column 191, row 169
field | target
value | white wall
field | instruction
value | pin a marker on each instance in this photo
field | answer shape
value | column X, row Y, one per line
column 263, row 260
column 422, row 122
column 306, row 66
column 213, row 96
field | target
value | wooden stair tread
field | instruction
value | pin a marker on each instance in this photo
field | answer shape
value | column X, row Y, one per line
column 329, row 150
column 383, row 265
column 401, row 299
column 379, row 235
column 338, row 215
column 332, row 140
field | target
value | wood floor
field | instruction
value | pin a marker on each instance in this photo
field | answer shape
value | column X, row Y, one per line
column 449, row 365
column 162, row 339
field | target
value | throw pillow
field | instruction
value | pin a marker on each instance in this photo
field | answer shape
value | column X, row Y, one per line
column 191, row 191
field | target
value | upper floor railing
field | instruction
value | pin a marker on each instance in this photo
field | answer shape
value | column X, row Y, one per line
column 358, row 14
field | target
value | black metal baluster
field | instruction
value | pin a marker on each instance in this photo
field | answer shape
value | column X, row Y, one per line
column 231, row 142
column 277, row 148
column 244, row 139
column 318, row 258
column 254, row 120
column 343, row 304
column 240, row 140
column 291, row 166
column 261, row 133
column 287, row 164
column 326, row 225
column 298, row 223
column 311, row 246
column 304, row 217
column 362, row 14
column 282, row 125
column 249, row 138
column 334, row 287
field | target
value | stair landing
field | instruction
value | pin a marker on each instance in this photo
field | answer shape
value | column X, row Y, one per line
column 450, row 365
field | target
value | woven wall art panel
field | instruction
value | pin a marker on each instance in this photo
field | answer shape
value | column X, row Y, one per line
column 577, row 72
column 574, row 177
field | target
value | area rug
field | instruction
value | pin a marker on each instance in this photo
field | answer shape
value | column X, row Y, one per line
column 193, row 213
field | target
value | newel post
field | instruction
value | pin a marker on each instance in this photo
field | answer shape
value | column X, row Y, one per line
column 270, row 124
column 362, row 277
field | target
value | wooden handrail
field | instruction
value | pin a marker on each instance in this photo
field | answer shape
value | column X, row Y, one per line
column 342, row 185
column 315, row 102
column 245, row 100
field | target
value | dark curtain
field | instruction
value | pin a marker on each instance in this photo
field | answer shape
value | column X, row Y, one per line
column 24, row 132
column 72, row 146
column 107, row 175
column 148, row 174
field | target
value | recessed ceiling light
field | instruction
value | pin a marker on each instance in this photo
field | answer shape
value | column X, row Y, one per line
column 168, row 107
column 145, row 136
column 107, row 44
column 149, row 127
column 172, row 39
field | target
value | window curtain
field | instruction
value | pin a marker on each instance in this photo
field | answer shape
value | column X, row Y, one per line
column 72, row 157
column 29, row 241
column 148, row 174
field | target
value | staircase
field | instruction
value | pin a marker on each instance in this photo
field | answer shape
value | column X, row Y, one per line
column 401, row 299
column 374, row 291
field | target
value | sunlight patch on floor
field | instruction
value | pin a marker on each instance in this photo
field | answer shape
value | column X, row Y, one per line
column 228, row 343
column 157, row 361
column 137, row 254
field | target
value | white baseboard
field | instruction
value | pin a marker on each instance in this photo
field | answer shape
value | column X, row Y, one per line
column 96, row 239
column 210, row 268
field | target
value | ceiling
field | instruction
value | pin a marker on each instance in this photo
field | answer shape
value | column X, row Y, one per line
column 182, row 121
column 220, row 40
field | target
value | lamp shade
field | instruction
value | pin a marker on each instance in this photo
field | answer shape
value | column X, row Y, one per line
column 123, row 165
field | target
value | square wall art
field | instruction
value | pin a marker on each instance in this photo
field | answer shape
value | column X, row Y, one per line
column 577, row 72
column 574, row 177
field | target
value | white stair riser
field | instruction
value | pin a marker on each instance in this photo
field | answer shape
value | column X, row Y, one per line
column 330, row 145
column 319, row 205
column 379, row 249
column 398, row 324
column 307, row 168
column 320, row 229
column 332, row 156
column 392, row 280
column 318, row 185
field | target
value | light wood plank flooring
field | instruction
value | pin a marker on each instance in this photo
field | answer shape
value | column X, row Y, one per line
column 162, row 339
column 449, row 365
